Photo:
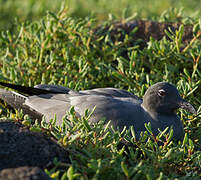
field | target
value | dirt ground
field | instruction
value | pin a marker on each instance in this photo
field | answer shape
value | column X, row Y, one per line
column 145, row 30
column 19, row 147
column 25, row 173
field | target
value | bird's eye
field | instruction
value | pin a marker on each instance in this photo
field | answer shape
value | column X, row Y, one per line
column 161, row 92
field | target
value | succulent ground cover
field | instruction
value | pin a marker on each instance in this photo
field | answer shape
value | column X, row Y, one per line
column 59, row 49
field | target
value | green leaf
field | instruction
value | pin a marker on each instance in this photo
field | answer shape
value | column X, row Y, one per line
column 64, row 176
column 191, row 145
column 133, row 133
column 70, row 173
column 124, row 168
column 148, row 127
column 35, row 129
column 185, row 140
column 168, row 154
column 86, row 124
column 170, row 134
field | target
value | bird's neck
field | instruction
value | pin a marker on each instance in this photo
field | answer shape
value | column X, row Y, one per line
column 149, row 107
column 153, row 114
column 156, row 114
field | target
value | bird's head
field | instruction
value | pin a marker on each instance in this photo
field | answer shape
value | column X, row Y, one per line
column 164, row 98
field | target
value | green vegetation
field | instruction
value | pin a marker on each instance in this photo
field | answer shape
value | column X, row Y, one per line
column 14, row 11
column 60, row 49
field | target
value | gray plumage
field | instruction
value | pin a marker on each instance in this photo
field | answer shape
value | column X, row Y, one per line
column 121, row 107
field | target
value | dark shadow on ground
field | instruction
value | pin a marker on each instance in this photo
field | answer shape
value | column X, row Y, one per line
column 21, row 147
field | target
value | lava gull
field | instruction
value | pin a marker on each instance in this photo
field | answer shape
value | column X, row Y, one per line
column 123, row 108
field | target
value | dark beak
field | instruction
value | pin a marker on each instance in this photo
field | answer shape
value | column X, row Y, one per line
column 187, row 106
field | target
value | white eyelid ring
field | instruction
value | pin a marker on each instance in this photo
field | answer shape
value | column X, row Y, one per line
column 161, row 92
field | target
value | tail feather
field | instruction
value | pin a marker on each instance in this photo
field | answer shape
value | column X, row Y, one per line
column 27, row 90
column 16, row 101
